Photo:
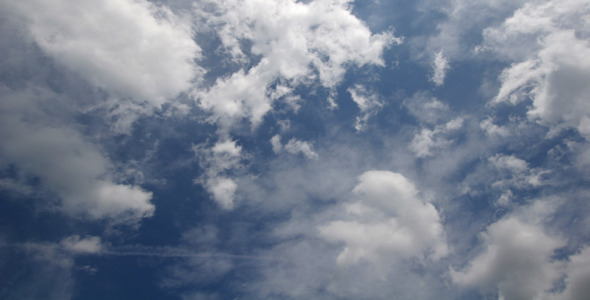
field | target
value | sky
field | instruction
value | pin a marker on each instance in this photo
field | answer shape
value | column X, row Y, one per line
column 311, row 149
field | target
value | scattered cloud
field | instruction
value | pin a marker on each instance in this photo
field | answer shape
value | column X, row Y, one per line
column 552, row 69
column 65, row 162
column 428, row 140
column 517, row 260
column 132, row 49
column 293, row 146
column 217, row 161
column 388, row 222
column 86, row 245
column 301, row 42
column 247, row 123
column 368, row 104
column 440, row 65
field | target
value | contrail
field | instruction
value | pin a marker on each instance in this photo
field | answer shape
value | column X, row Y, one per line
column 172, row 252
column 136, row 250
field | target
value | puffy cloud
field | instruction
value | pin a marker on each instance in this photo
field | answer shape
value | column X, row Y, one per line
column 275, row 141
column 553, row 68
column 65, row 162
column 440, row 65
column 427, row 109
column 368, row 104
column 515, row 172
column 129, row 48
column 493, row 130
column 428, row 140
column 388, row 222
column 294, row 146
column 436, row 125
column 86, row 245
column 296, row 42
column 577, row 281
column 517, row 260
column 223, row 157
column 223, row 191
column 459, row 30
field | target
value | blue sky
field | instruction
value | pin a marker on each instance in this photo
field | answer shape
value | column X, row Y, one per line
column 325, row 149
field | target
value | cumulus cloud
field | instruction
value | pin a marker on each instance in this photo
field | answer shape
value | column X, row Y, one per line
column 86, row 245
column 552, row 69
column 293, row 146
column 515, row 172
column 517, row 257
column 493, row 130
column 458, row 34
column 440, row 65
column 300, row 43
column 426, row 108
column 66, row 164
column 577, row 281
column 388, row 222
column 217, row 161
column 427, row 141
column 436, row 125
column 132, row 49
column 368, row 103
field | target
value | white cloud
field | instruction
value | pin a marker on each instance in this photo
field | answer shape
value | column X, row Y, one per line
column 577, row 282
column 517, row 259
column 295, row 146
column 493, row 130
column 275, row 141
column 515, row 172
column 426, row 108
column 66, row 164
column 463, row 19
column 86, row 245
column 368, row 103
column 436, row 124
column 217, row 161
column 387, row 223
column 440, row 65
column 427, row 140
column 299, row 43
column 129, row 48
column 552, row 69
column 223, row 190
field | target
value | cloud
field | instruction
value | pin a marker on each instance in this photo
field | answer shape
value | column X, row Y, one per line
column 223, row 191
column 493, row 130
column 552, row 69
column 515, row 172
column 86, row 245
column 426, row 108
column 368, row 103
column 300, row 43
column 440, row 65
column 459, row 32
column 517, row 257
column 132, row 49
column 217, row 161
column 428, row 140
column 275, row 141
column 65, row 162
column 578, row 276
column 436, row 125
column 388, row 222
column 293, row 146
